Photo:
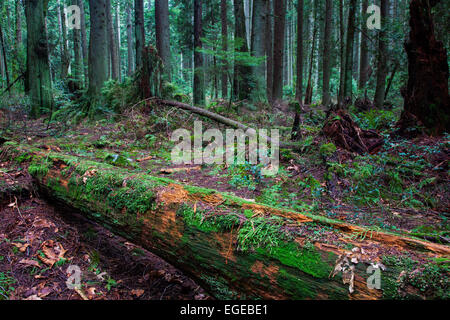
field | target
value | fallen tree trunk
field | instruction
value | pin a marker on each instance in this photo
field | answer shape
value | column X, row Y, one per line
column 236, row 249
column 221, row 119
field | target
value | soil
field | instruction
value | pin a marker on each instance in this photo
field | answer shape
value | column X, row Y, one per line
column 111, row 268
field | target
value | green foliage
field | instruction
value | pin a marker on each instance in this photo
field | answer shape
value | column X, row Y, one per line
column 313, row 185
column 6, row 285
column 119, row 96
column 326, row 150
column 216, row 223
column 261, row 233
column 376, row 119
column 245, row 175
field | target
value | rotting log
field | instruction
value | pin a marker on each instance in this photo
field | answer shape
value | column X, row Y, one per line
column 201, row 231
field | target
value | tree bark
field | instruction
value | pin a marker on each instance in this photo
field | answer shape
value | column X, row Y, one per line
column 382, row 57
column 163, row 34
column 278, row 48
column 98, row 47
column 199, row 85
column 426, row 96
column 364, row 50
column 225, row 67
column 269, row 50
column 326, row 98
column 130, row 40
column 166, row 218
column 258, row 47
column 242, row 73
column 112, row 42
column 348, row 77
column 296, row 134
column 139, row 31
column 84, row 42
column 78, row 55
column 38, row 78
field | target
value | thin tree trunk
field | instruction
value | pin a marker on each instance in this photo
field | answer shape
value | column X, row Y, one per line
column 299, row 86
column 327, row 53
column 349, row 51
column 98, row 47
column 112, row 42
column 364, row 53
column 18, row 26
column 258, row 44
column 84, row 42
column 163, row 34
column 278, row 48
column 224, row 20
column 38, row 78
column 241, row 83
column 130, row 40
column 5, row 61
column 118, row 40
column 382, row 57
column 65, row 57
column 77, row 52
column 139, row 31
column 198, row 87
column 269, row 50
column 342, row 52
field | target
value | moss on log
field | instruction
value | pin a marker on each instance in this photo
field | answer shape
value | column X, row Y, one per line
column 236, row 249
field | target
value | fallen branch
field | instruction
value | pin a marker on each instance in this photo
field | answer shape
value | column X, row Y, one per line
column 221, row 119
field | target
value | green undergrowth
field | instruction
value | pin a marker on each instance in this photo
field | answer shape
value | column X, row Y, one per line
column 6, row 285
column 430, row 279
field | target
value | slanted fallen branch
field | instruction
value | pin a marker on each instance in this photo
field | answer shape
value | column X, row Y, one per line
column 234, row 248
column 221, row 119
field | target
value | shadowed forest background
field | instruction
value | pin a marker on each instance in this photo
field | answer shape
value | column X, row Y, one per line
column 86, row 116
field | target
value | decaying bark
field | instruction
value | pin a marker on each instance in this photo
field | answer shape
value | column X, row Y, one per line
column 426, row 97
column 347, row 134
column 182, row 225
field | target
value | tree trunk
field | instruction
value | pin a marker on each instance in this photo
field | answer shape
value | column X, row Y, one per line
column 279, row 9
column 98, row 47
column 5, row 60
column 130, row 40
column 220, row 250
column 348, row 78
column 296, row 134
column 242, row 73
column 364, row 53
column 199, row 85
column 112, row 42
column 118, row 40
column 225, row 67
column 326, row 99
column 382, row 57
column 426, row 96
column 18, row 25
column 269, row 50
column 139, row 31
column 341, row 52
column 65, row 56
column 77, row 53
column 38, row 77
column 258, row 45
column 163, row 34
column 84, row 42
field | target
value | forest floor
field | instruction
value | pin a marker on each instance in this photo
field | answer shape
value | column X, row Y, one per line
column 403, row 188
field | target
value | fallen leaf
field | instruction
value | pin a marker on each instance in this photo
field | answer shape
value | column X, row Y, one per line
column 30, row 262
column 137, row 292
